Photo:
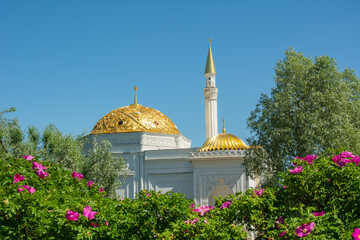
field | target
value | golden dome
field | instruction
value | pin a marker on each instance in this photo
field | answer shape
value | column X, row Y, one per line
column 223, row 141
column 135, row 118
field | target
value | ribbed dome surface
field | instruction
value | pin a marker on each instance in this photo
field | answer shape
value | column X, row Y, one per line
column 135, row 118
column 223, row 141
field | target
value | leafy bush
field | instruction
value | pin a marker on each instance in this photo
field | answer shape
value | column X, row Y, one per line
column 41, row 214
column 83, row 154
column 41, row 200
column 317, row 199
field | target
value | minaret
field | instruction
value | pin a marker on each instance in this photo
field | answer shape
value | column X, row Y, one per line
column 210, row 92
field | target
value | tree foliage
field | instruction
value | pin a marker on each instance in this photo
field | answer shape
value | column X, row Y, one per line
column 95, row 162
column 313, row 106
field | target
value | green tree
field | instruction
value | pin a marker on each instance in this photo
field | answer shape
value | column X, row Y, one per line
column 312, row 107
column 96, row 162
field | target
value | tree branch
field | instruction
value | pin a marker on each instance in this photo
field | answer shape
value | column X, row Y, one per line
column 3, row 145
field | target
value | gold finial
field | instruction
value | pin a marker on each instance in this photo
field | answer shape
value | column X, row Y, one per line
column 223, row 125
column 135, row 99
column 210, row 66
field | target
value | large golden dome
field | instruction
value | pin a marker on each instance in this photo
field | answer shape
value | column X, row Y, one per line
column 135, row 118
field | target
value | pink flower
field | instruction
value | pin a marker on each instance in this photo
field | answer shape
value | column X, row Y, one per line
column 356, row 160
column 279, row 221
column 41, row 173
column 88, row 213
column 28, row 157
column 225, row 205
column 304, row 229
column 344, row 158
column 205, row 221
column 259, row 192
column 297, row 170
column 106, row 223
column 38, row 166
column 18, row 178
column 284, row 186
column 316, row 214
column 342, row 162
column 79, row 176
column 202, row 209
column 148, row 194
column 72, row 216
column 192, row 205
column 93, row 225
column 283, row 233
column 356, row 234
column 101, row 189
column 192, row 222
column 90, row 184
column 310, row 158
column 29, row 189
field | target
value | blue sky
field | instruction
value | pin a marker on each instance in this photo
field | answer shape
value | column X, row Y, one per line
column 71, row 62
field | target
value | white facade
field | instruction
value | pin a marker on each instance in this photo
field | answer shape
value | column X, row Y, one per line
column 165, row 162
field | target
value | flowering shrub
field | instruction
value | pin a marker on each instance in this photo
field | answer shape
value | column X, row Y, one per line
column 45, row 204
column 325, row 193
column 319, row 202
column 62, row 206
column 317, row 199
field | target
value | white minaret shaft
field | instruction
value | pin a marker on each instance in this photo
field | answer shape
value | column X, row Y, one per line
column 210, row 92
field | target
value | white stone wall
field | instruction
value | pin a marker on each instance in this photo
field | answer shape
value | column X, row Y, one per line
column 169, row 170
column 159, row 170
column 164, row 162
column 218, row 177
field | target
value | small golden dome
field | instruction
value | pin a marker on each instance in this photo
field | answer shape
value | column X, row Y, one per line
column 135, row 118
column 223, row 141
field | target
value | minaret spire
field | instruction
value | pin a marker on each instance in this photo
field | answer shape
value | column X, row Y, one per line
column 210, row 66
column 210, row 92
